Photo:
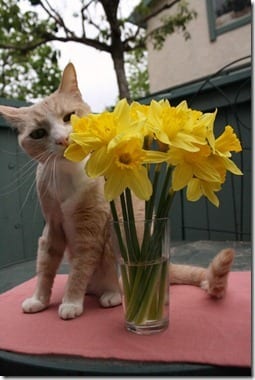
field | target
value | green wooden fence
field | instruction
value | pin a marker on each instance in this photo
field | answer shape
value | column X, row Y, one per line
column 21, row 221
column 230, row 92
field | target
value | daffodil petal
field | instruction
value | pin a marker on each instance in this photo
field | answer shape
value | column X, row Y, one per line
column 98, row 163
column 182, row 174
column 185, row 144
column 85, row 140
column 194, row 190
column 206, row 172
column 155, row 157
column 231, row 166
column 208, row 191
column 139, row 183
column 75, row 153
column 228, row 141
column 114, row 186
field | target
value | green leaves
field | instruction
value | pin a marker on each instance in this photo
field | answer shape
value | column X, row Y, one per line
column 26, row 74
column 171, row 23
column 137, row 73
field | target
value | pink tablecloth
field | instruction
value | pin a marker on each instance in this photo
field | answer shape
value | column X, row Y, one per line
column 202, row 330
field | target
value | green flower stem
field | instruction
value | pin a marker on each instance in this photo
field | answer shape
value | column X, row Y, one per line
column 144, row 271
column 123, row 207
column 137, row 291
column 125, row 282
column 161, row 211
column 118, row 231
column 146, row 301
column 162, row 287
column 132, row 253
column 168, row 203
column 153, row 248
column 149, row 205
column 132, row 225
column 146, row 278
column 121, row 244
column 148, row 296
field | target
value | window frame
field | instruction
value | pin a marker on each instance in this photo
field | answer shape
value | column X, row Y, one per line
column 215, row 31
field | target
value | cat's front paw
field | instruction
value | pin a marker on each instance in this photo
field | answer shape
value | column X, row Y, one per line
column 109, row 299
column 33, row 305
column 70, row 310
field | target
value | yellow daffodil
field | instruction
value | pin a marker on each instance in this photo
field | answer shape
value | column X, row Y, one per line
column 77, row 149
column 227, row 142
column 222, row 147
column 98, row 131
column 122, row 166
column 197, row 188
column 119, row 145
column 191, row 164
column 177, row 126
column 90, row 133
column 75, row 152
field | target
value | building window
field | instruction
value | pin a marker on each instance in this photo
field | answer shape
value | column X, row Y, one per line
column 225, row 15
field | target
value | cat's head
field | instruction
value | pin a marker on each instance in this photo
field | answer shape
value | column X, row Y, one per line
column 44, row 128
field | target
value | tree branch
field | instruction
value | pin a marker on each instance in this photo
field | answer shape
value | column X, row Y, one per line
column 51, row 37
column 133, row 39
column 53, row 14
column 156, row 12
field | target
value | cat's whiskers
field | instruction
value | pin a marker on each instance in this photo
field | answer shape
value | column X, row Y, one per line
column 32, row 186
column 53, row 174
column 54, row 177
column 44, row 178
column 49, row 175
column 29, row 192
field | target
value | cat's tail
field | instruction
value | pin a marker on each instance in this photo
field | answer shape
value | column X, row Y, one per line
column 212, row 279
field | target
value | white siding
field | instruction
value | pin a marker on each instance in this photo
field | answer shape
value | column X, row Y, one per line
column 181, row 61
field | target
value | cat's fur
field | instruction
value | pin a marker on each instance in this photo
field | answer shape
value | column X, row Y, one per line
column 76, row 213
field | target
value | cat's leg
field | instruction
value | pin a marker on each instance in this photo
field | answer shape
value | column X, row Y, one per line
column 51, row 246
column 82, row 266
column 89, row 272
column 92, row 270
column 212, row 279
column 105, row 282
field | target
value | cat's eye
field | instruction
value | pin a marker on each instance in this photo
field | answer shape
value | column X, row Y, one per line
column 38, row 134
column 67, row 117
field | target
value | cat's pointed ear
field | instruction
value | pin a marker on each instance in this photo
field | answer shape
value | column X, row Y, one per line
column 14, row 116
column 69, row 82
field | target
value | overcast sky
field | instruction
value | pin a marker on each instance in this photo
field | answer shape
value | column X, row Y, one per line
column 96, row 75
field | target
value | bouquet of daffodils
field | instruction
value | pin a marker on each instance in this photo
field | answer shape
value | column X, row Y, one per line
column 153, row 151
column 122, row 144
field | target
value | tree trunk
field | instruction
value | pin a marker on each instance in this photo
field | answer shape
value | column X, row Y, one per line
column 118, row 61
column 116, row 49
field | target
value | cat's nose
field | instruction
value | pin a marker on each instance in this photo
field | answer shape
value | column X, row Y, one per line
column 62, row 141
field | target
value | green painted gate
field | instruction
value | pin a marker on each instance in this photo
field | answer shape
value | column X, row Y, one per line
column 228, row 90
column 21, row 221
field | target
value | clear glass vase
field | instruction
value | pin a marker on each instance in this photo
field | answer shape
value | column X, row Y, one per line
column 142, row 248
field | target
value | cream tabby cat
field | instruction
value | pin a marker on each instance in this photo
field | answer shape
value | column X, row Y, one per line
column 76, row 213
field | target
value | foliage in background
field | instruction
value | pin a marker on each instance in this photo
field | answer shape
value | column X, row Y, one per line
column 137, row 73
column 25, row 74
column 96, row 23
